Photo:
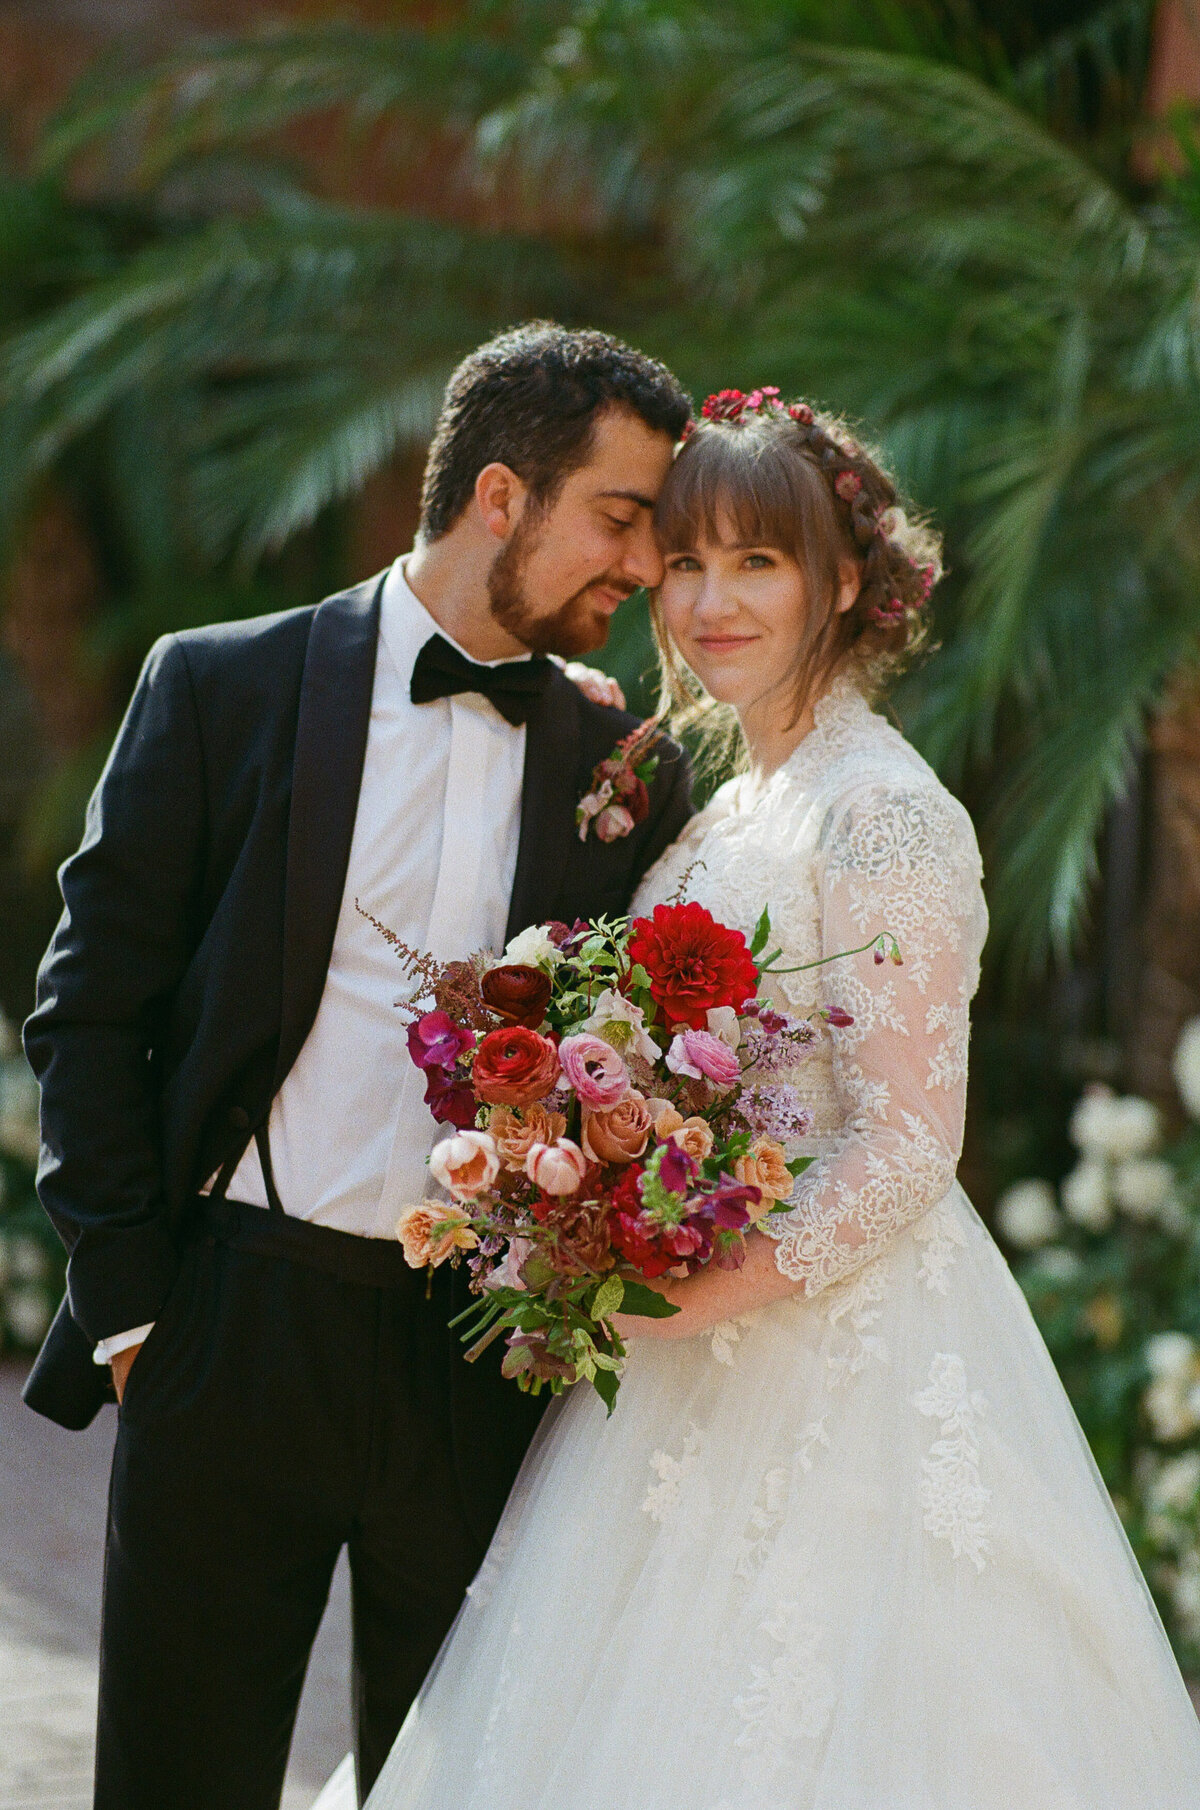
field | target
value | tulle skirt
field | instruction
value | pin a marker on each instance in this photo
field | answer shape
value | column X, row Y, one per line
column 848, row 1554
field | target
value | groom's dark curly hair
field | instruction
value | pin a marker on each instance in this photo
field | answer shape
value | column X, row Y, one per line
column 529, row 399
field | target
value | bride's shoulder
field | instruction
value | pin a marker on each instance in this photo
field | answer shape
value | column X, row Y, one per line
column 888, row 808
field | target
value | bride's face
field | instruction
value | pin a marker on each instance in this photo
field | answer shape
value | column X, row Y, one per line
column 740, row 618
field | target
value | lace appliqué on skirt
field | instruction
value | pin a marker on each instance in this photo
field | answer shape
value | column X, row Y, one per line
column 952, row 1493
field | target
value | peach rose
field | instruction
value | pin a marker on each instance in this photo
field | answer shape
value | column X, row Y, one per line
column 556, row 1168
column 694, row 1135
column 616, row 1134
column 465, row 1164
column 764, row 1167
column 416, row 1229
column 517, row 1132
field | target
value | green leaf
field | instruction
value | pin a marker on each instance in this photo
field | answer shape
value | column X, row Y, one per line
column 608, row 1298
column 646, row 1301
column 799, row 1164
column 762, row 931
column 639, row 977
column 606, row 1383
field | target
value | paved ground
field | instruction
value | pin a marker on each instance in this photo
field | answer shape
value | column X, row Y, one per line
column 53, row 1487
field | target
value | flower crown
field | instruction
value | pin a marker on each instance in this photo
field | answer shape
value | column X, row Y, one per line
column 737, row 405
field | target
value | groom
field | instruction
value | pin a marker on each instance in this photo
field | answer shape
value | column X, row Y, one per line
column 230, row 1121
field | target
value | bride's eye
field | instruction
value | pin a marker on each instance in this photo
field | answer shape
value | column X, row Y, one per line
column 759, row 562
column 683, row 562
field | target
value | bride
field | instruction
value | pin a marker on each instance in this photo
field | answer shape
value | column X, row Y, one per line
column 842, row 1545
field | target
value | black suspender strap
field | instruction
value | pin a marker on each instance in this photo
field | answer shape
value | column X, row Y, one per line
column 264, row 1156
column 226, row 1173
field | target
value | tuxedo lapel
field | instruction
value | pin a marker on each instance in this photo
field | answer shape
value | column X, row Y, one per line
column 549, row 794
column 331, row 742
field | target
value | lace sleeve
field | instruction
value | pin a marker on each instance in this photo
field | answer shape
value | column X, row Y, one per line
column 901, row 858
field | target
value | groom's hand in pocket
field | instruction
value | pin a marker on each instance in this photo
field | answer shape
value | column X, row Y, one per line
column 122, row 1364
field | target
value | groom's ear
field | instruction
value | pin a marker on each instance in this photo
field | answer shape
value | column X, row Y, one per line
column 501, row 497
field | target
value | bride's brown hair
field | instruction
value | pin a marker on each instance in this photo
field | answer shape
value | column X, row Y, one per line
column 790, row 477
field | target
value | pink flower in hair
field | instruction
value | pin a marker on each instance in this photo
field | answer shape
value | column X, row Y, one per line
column 800, row 411
column 725, row 405
column 847, row 485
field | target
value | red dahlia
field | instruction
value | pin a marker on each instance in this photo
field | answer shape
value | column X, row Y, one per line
column 693, row 962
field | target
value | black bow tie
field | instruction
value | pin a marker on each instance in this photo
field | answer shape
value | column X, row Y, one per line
column 513, row 687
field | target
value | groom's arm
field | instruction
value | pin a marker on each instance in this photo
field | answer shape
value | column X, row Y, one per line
column 104, row 993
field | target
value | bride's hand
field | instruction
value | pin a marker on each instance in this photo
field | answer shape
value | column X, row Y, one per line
column 598, row 686
column 713, row 1295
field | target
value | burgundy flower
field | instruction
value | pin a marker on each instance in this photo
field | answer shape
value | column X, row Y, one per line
column 435, row 1041
column 676, row 1168
column 520, row 994
column 449, row 1098
column 837, row 1018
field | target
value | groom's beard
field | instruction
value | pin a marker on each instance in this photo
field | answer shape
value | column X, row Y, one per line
column 578, row 626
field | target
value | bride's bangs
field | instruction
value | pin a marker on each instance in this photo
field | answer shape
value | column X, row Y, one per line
column 744, row 487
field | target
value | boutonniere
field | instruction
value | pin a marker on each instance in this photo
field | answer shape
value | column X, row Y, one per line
column 619, row 796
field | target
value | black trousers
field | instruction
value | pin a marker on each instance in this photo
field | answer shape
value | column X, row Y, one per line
column 292, row 1399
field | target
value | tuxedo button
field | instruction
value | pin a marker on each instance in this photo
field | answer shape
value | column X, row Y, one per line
column 239, row 1118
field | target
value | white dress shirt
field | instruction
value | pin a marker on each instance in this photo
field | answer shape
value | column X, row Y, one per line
column 433, row 856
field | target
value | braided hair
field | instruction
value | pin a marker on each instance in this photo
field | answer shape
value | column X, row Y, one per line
column 792, row 477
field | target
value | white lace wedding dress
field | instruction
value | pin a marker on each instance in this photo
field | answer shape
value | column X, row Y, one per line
column 851, row 1552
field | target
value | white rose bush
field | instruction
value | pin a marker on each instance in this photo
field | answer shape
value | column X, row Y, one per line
column 31, row 1259
column 1110, row 1263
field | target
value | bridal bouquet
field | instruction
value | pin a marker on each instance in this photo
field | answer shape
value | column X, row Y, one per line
column 614, row 1088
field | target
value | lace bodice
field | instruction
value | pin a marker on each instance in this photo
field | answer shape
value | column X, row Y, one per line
column 854, row 834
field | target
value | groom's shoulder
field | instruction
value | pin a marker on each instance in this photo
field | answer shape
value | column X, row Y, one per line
column 254, row 649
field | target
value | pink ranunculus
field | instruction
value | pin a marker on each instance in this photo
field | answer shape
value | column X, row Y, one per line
column 594, row 1070
column 465, row 1164
column 556, row 1168
column 701, row 1055
column 614, row 822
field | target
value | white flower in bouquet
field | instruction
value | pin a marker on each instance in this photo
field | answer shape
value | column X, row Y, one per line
column 1186, row 1067
column 622, row 1024
column 1142, row 1186
column 1085, row 1195
column 1106, row 1126
column 532, row 948
column 28, row 1260
column 724, row 1023
column 28, row 1312
column 1027, row 1214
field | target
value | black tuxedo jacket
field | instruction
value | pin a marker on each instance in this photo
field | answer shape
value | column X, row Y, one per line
column 199, row 918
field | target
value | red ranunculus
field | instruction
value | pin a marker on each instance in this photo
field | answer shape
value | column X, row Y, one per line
column 520, row 994
column 693, row 962
column 514, row 1067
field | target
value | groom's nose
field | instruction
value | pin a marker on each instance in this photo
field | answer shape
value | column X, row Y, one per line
column 643, row 563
